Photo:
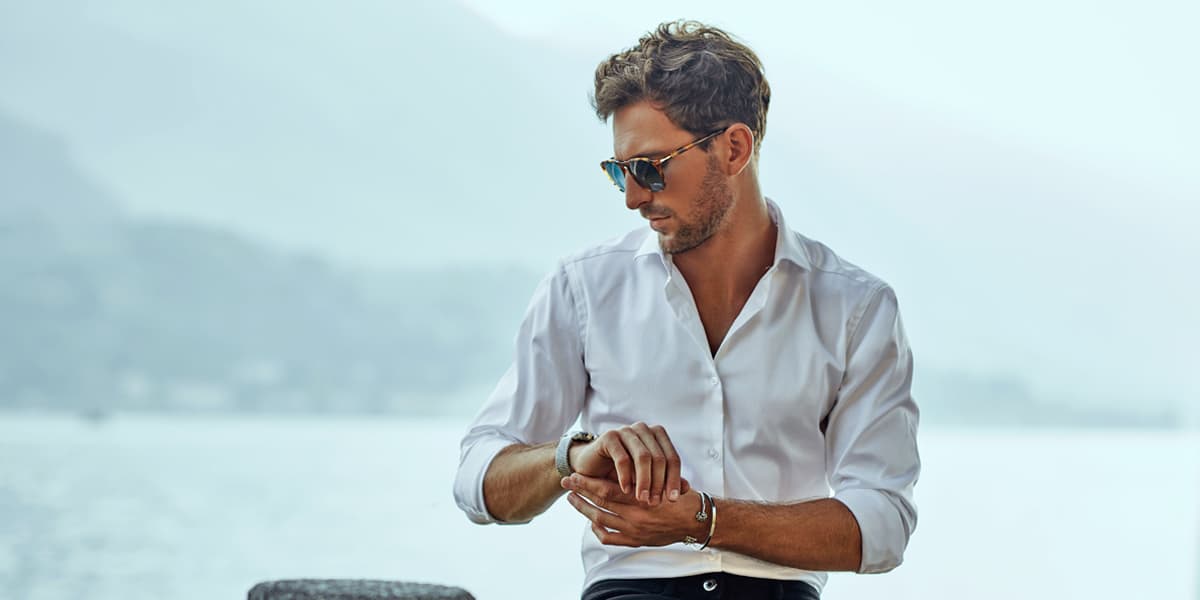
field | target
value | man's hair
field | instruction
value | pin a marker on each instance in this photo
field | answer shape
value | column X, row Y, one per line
column 698, row 75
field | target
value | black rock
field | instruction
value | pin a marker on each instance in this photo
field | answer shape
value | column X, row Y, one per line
column 353, row 589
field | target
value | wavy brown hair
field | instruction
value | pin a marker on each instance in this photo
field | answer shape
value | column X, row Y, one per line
column 700, row 76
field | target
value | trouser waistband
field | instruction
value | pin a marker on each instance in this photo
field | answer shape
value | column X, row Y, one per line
column 706, row 586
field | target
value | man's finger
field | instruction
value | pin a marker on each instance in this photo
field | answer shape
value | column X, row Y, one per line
column 613, row 538
column 601, row 492
column 672, row 485
column 658, row 461
column 642, row 463
column 595, row 514
column 614, row 447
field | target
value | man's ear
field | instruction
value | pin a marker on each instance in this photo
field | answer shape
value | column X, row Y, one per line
column 740, row 142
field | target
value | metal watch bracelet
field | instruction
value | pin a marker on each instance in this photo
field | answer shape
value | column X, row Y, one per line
column 562, row 457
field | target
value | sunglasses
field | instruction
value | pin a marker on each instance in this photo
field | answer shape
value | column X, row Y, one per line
column 647, row 172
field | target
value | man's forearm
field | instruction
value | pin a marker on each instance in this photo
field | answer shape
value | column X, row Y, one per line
column 522, row 482
column 819, row 535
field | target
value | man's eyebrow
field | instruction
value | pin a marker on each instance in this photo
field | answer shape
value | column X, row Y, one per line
column 651, row 154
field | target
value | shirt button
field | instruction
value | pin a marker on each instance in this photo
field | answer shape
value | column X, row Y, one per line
column 713, row 454
column 716, row 381
column 710, row 585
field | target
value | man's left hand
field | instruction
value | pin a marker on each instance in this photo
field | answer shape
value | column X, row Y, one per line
column 618, row 519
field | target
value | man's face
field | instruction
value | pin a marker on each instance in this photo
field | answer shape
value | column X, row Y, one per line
column 697, row 198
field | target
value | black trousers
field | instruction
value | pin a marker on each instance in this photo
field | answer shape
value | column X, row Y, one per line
column 707, row 586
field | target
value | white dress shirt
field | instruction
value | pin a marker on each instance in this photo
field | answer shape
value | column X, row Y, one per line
column 807, row 396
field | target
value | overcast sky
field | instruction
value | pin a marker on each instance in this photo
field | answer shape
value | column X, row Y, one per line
column 1102, row 81
column 1024, row 173
column 1105, row 87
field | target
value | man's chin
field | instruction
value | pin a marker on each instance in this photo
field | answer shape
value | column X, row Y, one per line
column 666, row 243
column 673, row 245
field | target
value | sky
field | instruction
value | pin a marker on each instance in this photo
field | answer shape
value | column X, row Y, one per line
column 1023, row 173
column 1095, row 88
column 1097, row 80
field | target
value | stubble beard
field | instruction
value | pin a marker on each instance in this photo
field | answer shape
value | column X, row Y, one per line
column 706, row 215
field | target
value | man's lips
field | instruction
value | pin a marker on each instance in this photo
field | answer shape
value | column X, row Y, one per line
column 652, row 216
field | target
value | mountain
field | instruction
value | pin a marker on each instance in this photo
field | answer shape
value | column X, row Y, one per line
column 386, row 144
column 100, row 310
column 411, row 136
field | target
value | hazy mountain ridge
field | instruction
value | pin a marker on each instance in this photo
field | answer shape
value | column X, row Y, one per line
column 416, row 122
column 121, row 313
column 383, row 135
column 433, row 138
column 149, row 314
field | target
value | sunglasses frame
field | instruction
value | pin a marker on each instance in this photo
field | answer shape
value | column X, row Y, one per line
column 657, row 163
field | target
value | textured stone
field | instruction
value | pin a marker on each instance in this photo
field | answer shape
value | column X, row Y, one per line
column 353, row 589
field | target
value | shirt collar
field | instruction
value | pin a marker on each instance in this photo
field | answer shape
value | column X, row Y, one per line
column 787, row 243
column 649, row 245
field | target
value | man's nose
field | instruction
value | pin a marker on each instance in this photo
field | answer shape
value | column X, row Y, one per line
column 635, row 195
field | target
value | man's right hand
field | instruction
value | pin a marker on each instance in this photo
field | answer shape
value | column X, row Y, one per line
column 639, row 457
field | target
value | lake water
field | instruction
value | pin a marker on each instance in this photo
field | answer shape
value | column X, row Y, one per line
column 203, row 508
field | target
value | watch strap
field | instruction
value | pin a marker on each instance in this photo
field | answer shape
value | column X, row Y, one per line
column 562, row 456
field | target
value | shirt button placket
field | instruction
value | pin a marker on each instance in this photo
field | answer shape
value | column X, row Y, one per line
column 717, row 435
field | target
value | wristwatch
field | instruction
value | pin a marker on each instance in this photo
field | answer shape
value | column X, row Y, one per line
column 561, row 455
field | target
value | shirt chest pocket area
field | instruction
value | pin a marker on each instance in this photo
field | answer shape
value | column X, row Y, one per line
column 785, row 393
column 643, row 374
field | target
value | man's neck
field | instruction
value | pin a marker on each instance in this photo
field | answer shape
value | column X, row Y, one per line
column 727, row 266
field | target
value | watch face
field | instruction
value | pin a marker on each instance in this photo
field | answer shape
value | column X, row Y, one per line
column 583, row 436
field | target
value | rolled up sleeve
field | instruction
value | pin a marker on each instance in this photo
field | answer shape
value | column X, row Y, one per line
column 871, row 437
column 538, row 397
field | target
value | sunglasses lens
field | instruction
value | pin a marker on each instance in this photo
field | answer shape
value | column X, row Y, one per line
column 615, row 173
column 647, row 176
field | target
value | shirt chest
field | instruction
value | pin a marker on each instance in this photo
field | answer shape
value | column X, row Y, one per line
column 776, row 374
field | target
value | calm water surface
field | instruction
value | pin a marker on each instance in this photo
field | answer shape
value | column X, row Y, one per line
column 203, row 508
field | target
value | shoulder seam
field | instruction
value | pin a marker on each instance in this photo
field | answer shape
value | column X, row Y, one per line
column 589, row 255
column 856, row 319
column 814, row 266
column 870, row 277
column 578, row 306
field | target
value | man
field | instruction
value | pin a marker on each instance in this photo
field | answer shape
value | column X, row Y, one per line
column 745, row 392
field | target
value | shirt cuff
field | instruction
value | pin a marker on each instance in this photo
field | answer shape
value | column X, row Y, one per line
column 468, row 484
column 884, row 532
